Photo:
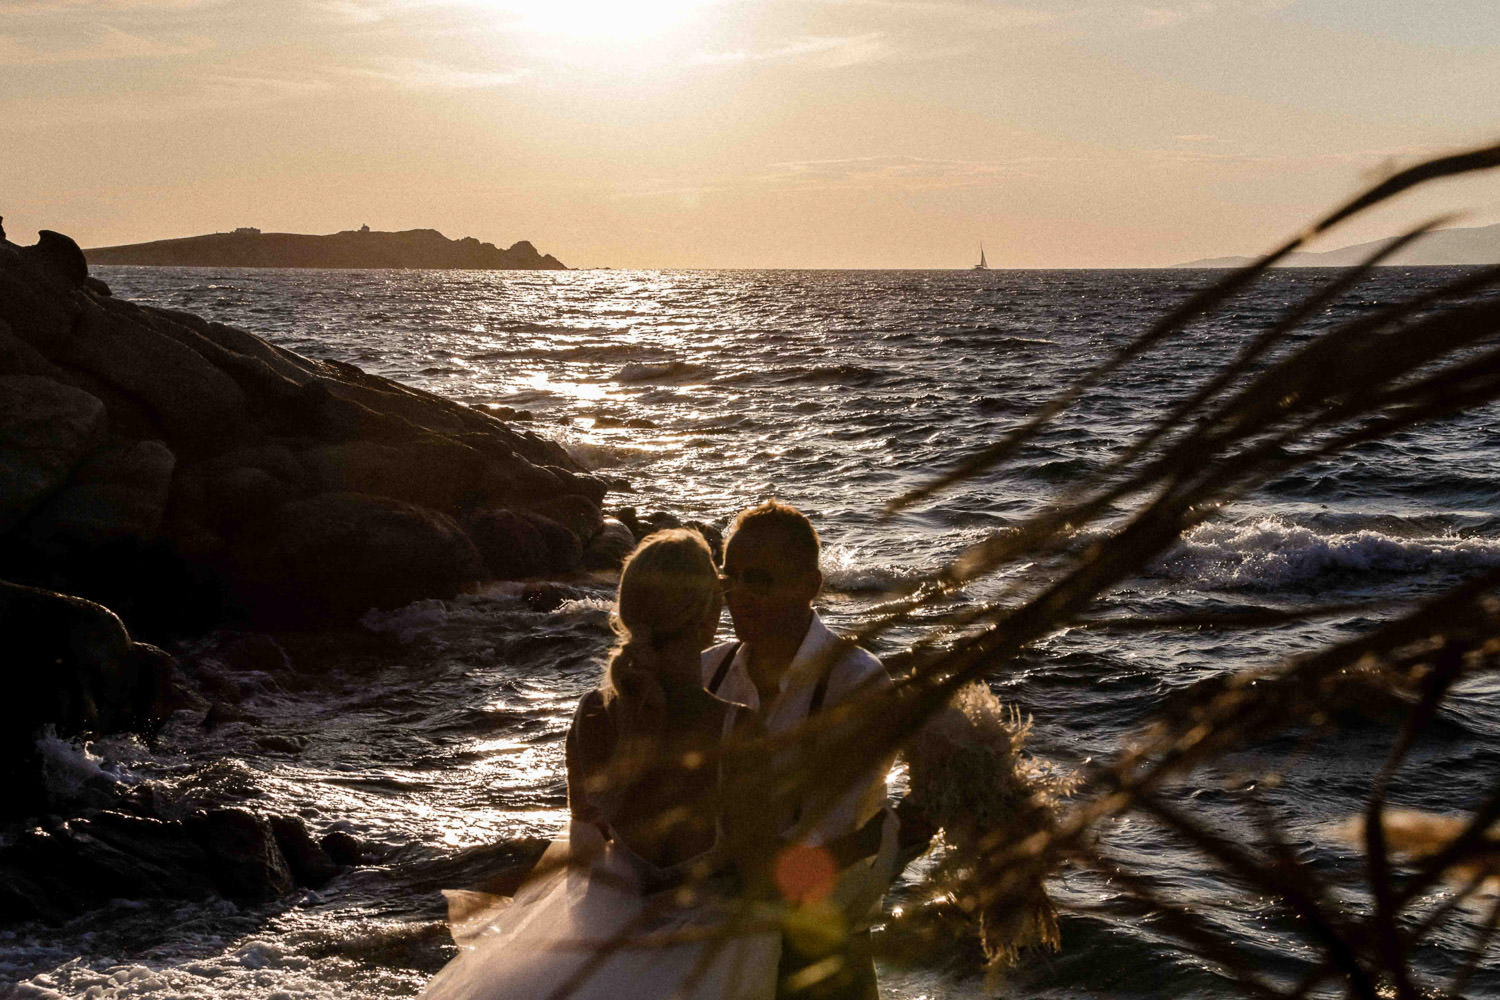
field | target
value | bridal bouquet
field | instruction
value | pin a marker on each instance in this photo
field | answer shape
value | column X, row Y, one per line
column 971, row 778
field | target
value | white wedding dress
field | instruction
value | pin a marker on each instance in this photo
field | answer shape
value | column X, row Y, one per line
column 591, row 931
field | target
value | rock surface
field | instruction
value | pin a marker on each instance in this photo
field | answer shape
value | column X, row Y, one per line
column 69, row 664
column 172, row 468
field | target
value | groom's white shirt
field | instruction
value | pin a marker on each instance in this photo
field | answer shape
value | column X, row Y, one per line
column 853, row 672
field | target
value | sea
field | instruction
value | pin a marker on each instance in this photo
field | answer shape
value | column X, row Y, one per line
column 435, row 731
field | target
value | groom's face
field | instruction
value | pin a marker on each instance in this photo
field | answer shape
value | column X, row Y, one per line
column 768, row 591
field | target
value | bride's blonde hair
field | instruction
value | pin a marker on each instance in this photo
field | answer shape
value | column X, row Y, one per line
column 668, row 587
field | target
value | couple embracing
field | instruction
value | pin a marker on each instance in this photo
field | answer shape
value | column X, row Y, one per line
column 694, row 868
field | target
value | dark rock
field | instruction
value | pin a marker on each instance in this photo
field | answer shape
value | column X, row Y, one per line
column 222, row 714
column 252, row 651
column 577, row 513
column 118, row 493
column 199, row 407
column 660, row 520
column 156, row 454
column 292, row 745
column 548, row 597
column 510, row 544
column 713, row 536
column 246, row 859
column 627, row 516
column 339, row 554
column 608, row 548
column 59, row 256
column 46, row 429
column 344, row 848
column 17, row 357
column 239, row 499
column 517, row 544
column 308, row 862
column 68, row 663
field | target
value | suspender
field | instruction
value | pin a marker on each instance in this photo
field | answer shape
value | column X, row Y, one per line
column 723, row 671
column 814, row 705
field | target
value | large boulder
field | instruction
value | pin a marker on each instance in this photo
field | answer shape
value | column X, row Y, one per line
column 46, row 429
column 157, row 461
column 609, row 546
column 339, row 554
column 199, row 407
column 69, row 664
column 118, row 493
column 516, row 544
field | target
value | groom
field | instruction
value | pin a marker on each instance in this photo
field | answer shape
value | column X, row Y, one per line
column 788, row 667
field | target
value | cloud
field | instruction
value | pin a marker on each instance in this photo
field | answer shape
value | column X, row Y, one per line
column 420, row 74
column 830, row 52
column 899, row 170
column 101, row 43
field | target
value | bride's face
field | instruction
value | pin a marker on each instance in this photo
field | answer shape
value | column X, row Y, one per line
column 710, row 623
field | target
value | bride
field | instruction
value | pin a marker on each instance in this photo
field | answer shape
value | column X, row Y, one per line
column 617, row 911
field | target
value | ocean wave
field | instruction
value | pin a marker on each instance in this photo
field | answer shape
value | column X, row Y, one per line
column 68, row 766
column 409, row 622
column 664, row 371
column 1270, row 554
column 596, row 455
column 851, row 571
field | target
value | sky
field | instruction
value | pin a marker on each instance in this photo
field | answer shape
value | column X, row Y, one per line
column 783, row 133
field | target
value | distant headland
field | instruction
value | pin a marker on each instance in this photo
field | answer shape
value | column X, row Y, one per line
column 363, row 247
column 1472, row 245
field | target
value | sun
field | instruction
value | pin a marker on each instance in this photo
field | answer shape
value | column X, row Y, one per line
column 607, row 21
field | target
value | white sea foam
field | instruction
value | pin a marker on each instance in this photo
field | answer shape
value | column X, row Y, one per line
column 851, row 570
column 666, row 371
column 586, row 606
column 597, row 455
column 1269, row 554
column 69, row 765
column 410, row 621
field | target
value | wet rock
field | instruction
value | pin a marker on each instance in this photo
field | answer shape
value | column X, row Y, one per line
column 608, row 548
column 659, row 520
column 548, row 597
column 222, row 714
column 306, row 859
column 161, row 462
column 246, row 859
column 69, row 664
column 46, row 430
column 578, row 514
column 345, row 849
column 292, row 745
column 339, row 554
column 57, row 869
column 627, row 516
column 252, row 651
column 712, row 535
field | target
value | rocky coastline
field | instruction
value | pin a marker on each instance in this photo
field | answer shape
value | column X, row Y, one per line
column 352, row 248
column 165, row 477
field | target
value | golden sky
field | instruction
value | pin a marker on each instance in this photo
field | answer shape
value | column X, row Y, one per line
column 786, row 133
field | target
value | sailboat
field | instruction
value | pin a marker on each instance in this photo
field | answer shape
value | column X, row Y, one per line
column 981, row 266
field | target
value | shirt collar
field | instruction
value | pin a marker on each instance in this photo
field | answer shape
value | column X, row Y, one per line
column 811, row 658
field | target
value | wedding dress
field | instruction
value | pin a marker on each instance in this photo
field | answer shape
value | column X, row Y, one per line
column 596, row 930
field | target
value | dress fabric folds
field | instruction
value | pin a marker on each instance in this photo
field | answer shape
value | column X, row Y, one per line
column 592, row 931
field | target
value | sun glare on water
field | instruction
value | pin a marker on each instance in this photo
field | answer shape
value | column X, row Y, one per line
column 612, row 21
